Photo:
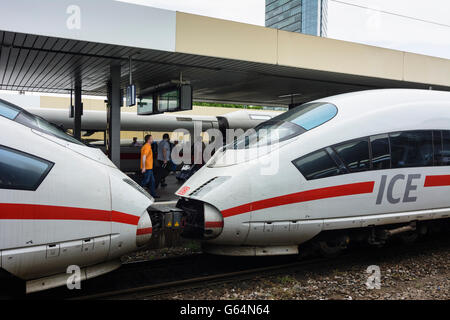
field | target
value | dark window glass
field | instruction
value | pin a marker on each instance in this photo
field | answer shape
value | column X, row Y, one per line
column 317, row 165
column 411, row 149
column 38, row 123
column 21, row 171
column 342, row 168
column 13, row 112
column 381, row 156
column 445, row 156
column 355, row 154
column 437, row 148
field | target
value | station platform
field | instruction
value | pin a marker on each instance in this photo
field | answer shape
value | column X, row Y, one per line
column 167, row 193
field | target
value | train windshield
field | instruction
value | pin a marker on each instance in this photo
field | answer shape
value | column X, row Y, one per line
column 32, row 121
column 286, row 126
column 309, row 115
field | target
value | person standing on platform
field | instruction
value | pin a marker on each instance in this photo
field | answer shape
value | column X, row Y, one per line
column 147, row 165
column 135, row 143
column 164, row 157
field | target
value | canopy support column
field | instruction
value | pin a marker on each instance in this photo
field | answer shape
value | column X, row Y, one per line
column 78, row 111
column 114, row 104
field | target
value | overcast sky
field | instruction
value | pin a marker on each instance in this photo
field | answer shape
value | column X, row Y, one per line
column 347, row 22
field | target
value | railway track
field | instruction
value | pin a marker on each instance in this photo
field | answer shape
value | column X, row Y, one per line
column 149, row 291
column 146, row 280
column 164, row 273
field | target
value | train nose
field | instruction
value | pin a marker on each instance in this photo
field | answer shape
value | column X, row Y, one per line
column 201, row 220
column 213, row 222
column 144, row 230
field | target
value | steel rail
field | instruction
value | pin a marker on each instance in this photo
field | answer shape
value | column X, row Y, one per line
column 180, row 285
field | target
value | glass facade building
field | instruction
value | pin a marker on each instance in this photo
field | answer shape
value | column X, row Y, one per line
column 305, row 16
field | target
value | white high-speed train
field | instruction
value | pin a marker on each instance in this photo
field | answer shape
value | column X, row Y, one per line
column 62, row 203
column 358, row 166
column 94, row 120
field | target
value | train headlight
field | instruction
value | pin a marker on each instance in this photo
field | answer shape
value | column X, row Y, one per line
column 137, row 187
column 208, row 186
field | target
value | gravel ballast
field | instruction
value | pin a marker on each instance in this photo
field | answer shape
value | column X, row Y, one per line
column 422, row 275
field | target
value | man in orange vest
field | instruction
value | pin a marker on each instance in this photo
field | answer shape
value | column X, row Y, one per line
column 147, row 165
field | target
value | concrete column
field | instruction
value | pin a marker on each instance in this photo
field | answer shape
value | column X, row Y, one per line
column 78, row 111
column 114, row 115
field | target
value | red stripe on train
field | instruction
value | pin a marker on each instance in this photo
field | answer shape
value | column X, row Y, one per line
column 143, row 231
column 16, row 211
column 121, row 217
column 130, row 156
column 214, row 224
column 437, row 181
column 315, row 194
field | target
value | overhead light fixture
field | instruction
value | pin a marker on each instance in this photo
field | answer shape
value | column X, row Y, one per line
column 290, row 95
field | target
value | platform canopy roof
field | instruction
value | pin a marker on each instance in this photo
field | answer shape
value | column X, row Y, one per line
column 47, row 46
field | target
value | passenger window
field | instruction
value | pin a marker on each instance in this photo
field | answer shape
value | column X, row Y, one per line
column 21, row 171
column 411, row 149
column 445, row 155
column 340, row 164
column 381, row 155
column 317, row 165
column 437, row 148
column 355, row 154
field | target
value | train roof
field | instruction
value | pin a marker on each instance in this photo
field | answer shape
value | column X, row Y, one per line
column 386, row 97
column 381, row 111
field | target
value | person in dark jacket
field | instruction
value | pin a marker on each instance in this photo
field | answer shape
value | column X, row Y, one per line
column 164, row 158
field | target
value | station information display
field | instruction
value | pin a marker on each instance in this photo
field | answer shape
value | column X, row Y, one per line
column 131, row 95
column 173, row 99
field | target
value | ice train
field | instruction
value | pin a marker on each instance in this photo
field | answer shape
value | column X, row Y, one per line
column 62, row 204
column 359, row 166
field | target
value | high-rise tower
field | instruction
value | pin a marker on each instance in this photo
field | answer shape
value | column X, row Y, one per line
column 305, row 16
